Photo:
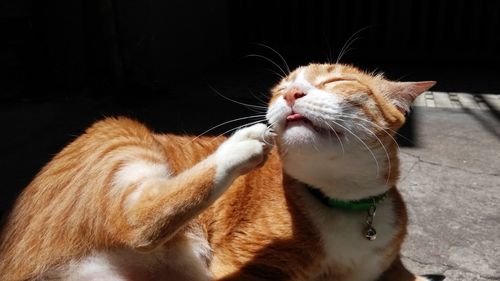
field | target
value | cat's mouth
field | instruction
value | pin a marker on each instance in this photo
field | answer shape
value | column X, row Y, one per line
column 297, row 119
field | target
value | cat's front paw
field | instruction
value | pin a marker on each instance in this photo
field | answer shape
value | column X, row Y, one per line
column 245, row 150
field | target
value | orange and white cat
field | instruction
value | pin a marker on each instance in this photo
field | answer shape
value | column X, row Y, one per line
column 123, row 203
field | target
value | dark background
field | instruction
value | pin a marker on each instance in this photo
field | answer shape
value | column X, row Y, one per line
column 67, row 63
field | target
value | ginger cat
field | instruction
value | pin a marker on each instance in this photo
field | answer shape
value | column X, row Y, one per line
column 123, row 203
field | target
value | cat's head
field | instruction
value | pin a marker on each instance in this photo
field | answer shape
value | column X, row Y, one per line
column 326, row 112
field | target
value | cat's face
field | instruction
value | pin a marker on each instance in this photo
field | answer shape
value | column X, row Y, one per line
column 325, row 111
column 322, row 102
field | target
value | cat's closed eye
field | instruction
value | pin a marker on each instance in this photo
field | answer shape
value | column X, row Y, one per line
column 335, row 79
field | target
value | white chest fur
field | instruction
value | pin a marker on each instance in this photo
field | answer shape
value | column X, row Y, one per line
column 345, row 246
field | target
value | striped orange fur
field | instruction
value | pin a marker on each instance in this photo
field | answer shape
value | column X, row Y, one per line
column 123, row 203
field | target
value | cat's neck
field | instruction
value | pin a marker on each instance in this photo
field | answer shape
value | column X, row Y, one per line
column 350, row 176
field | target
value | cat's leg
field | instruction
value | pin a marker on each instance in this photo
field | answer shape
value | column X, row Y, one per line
column 398, row 272
column 160, row 205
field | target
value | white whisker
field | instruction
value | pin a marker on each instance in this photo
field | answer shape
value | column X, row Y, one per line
column 258, row 98
column 227, row 122
column 275, row 73
column 385, row 150
column 276, row 52
column 242, row 126
column 349, row 42
column 338, row 137
column 376, row 125
column 329, row 56
column 269, row 60
column 269, row 127
column 238, row 102
column 364, row 144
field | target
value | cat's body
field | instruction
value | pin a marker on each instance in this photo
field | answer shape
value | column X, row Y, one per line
column 122, row 203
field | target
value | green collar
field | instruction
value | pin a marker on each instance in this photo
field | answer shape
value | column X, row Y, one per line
column 354, row 205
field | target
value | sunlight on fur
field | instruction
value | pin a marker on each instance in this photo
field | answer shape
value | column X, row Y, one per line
column 123, row 203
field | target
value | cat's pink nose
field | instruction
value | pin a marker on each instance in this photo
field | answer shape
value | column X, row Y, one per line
column 292, row 95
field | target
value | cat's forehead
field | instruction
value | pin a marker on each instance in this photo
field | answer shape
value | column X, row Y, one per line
column 315, row 73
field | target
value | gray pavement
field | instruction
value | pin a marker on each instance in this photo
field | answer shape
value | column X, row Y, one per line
column 451, row 183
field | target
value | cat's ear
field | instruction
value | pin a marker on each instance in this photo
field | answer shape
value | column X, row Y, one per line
column 402, row 94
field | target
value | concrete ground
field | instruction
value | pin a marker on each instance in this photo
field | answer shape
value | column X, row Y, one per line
column 451, row 183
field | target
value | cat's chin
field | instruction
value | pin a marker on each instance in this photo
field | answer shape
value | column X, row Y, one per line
column 299, row 133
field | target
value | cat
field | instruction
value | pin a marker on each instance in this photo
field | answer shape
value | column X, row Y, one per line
column 294, row 200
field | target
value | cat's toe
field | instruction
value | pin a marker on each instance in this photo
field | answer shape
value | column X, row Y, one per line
column 256, row 131
column 269, row 137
